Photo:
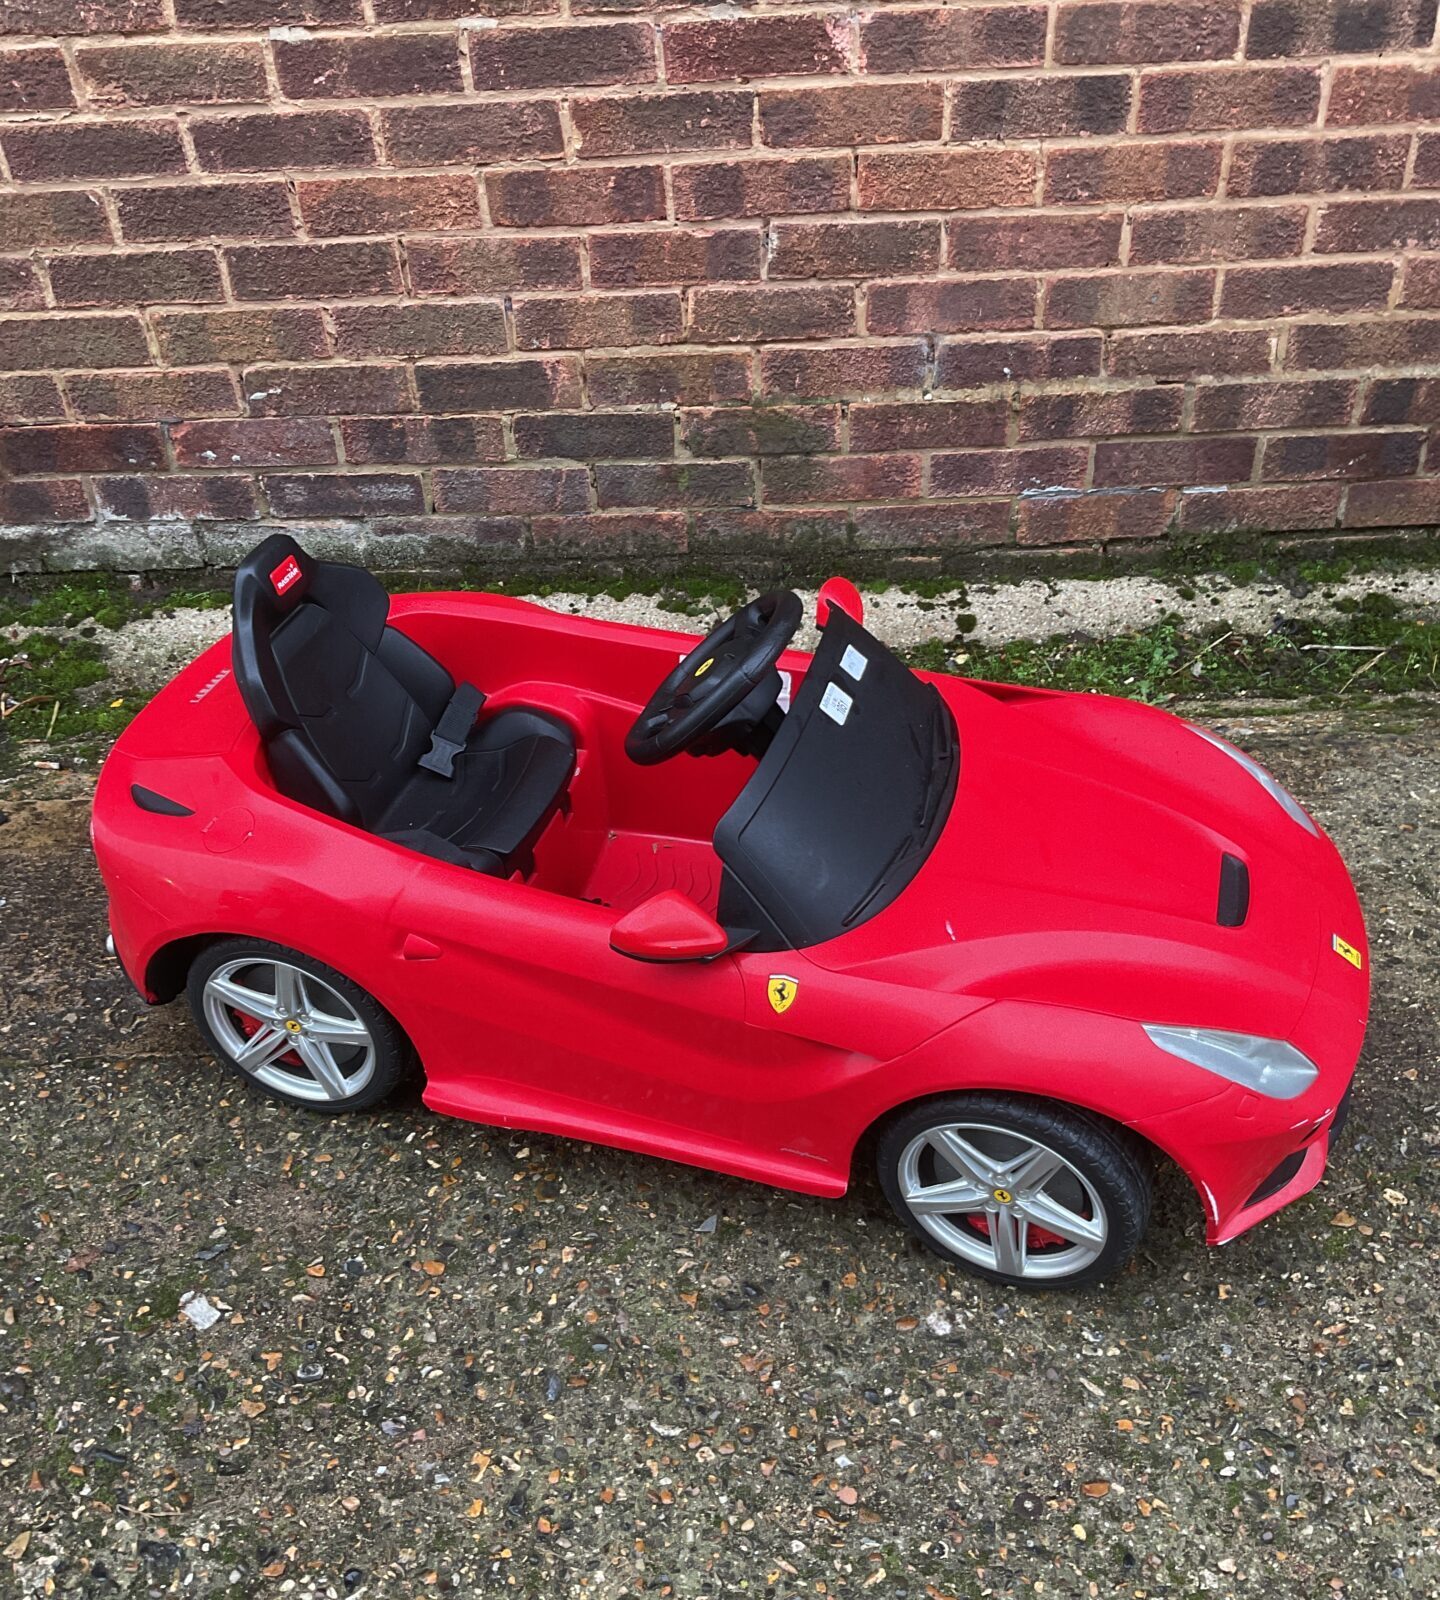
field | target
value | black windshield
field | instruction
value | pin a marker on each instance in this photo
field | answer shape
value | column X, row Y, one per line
column 846, row 803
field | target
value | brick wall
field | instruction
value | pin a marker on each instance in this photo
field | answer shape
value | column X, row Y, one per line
column 602, row 274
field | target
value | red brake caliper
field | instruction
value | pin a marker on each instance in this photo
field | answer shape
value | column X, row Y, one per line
column 250, row 1026
column 1036, row 1239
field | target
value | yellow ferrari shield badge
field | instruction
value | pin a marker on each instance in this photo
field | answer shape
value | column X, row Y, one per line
column 1347, row 952
column 781, row 991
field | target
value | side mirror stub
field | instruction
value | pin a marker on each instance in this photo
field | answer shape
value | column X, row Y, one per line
column 669, row 926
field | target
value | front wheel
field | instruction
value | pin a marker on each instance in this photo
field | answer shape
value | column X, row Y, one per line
column 1016, row 1190
column 295, row 1028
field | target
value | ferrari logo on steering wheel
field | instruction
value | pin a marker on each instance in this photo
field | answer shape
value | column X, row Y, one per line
column 704, row 667
column 781, row 991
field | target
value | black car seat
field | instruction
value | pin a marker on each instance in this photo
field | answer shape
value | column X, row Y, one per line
column 359, row 722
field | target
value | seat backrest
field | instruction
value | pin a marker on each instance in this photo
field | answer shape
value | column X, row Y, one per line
column 344, row 704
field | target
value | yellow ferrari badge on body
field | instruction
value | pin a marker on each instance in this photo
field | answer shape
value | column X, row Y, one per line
column 1347, row 952
column 704, row 667
column 781, row 991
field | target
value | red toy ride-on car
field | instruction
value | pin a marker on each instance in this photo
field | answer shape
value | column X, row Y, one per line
column 1024, row 941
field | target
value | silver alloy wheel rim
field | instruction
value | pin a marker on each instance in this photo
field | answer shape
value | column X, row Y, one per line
column 952, row 1175
column 331, row 1050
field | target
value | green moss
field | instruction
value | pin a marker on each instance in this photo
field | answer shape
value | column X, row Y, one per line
column 45, row 682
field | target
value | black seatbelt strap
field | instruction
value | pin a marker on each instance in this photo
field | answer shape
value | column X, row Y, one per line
column 450, row 733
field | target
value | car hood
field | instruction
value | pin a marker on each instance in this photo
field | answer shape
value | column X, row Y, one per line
column 1081, row 862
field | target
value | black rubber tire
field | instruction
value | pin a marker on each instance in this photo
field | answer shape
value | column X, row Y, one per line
column 395, row 1062
column 1115, row 1163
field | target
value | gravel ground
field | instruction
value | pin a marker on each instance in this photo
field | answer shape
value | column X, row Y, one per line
column 451, row 1360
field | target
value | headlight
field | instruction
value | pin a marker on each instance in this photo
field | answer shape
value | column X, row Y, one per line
column 1268, row 1066
column 1277, row 791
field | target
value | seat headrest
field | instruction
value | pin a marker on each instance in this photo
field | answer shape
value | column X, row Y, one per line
column 274, row 578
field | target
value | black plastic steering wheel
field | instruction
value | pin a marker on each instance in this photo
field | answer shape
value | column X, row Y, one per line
column 732, row 666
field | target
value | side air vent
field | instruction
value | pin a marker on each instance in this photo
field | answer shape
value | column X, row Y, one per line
column 160, row 804
column 1234, row 892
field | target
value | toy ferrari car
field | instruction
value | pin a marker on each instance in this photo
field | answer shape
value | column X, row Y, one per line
column 1013, row 945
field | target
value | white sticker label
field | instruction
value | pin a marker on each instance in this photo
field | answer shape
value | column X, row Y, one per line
column 786, row 685
column 852, row 663
column 835, row 703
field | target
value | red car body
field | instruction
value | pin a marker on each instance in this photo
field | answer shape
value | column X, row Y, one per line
column 1070, row 898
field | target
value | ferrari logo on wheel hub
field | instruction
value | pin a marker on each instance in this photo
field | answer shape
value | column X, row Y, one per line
column 1003, row 1196
column 780, row 991
column 293, row 1025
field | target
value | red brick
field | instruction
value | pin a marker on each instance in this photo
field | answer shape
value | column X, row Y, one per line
column 254, row 442
column 359, row 66
column 1258, row 292
column 1234, row 407
column 1140, row 31
column 34, row 80
column 422, row 441
column 838, row 372
column 946, row 180
column 674, row 483
column 513, row 491
column 475, row 327
column 1183, row 101
column 674, row 255
column 471, row 135
column 1129, row 299
column 1410, row 502
column 1169, row 356
column 204, row 210
column 1322, row 27
column 218, row 498
column 1396, row 92
column 586, row 435
column 1394, row 400
column 135, row 277
column 657, row 531
column 575, row 196
column 492, row 265
column 1055, row 106
column 563, row 58
column 313, row 271
column 798, row 480
column 1036, row 240
column 610, row 321
column 951, row 305
column 344, row 494
column 852, row 114
column 1096, row 517
column 1421, row 289
column 191, row 338
column 19, row 287
column 1101, row 413
column 213, row 15
column 1179, row 462
column 1044, row 468
column 1317, row 165
column 1216, row 233
column 727, row 316
column 97, row 448
column 71, row 150
column 968, row 523
column 853, row 249
column 264, row 141
column 1427, row 162
column 527, row 385
column 810, row 528
column 667, row 379
column 36, row 344
column 50, row 500
column 928, row 425
column 761, row 430
column 953, row 39
column 81, row 16
column 973, row 363
column 29, row 397
column 153, row 396
column 334, row 206
column 1388, row 342
column 754, row 47
column 721, row 190
column 284, row 391
column 451, row 10
column 1086, row 174
column 172, row 74
column 1267, row 510
column 1342, row 455
column 51, row 217
column 1352, row 227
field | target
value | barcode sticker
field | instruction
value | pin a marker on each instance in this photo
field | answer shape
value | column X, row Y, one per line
column 852, row 663
column 835, row 703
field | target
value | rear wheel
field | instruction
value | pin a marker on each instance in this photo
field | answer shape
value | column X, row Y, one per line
column 1015, row 1190
column 296, row 1028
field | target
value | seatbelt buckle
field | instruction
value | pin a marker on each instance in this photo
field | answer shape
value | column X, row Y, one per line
column 448, row 738
column 440, row 757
